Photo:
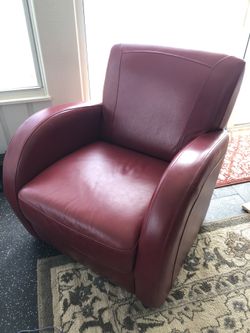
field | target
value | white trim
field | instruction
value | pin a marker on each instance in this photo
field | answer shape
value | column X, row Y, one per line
column 31, row 35
column 25, row 100
column 81, row 47
column 37, row 45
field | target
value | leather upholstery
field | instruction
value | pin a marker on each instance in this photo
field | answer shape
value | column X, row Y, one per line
column 180, row 200
column 41, row 140
column 149, row 87
column 114, row 178
column 124, row 186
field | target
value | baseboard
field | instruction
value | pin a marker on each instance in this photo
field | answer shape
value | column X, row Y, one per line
column 1, row 172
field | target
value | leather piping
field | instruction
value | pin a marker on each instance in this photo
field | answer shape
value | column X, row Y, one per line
column 184, row 228
column 80, row 233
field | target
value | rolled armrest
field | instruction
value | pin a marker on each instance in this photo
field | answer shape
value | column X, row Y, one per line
column 43, row 139
column 176, row 212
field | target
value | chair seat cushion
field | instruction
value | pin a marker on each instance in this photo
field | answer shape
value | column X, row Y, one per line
column 93, row 201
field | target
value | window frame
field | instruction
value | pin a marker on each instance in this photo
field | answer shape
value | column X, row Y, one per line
column 40, row 92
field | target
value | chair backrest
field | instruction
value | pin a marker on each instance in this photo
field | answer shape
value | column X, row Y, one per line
column 157, row 99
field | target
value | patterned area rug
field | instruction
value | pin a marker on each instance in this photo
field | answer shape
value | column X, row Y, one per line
column 236, row 165
column 211, row 294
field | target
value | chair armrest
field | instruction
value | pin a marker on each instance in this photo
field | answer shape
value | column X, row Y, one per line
column 176, row 212
column 43, row 139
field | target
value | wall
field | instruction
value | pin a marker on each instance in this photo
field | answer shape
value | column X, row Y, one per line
column 241, row 115
column 179, row 23
column 60, row 25
column 12, row 116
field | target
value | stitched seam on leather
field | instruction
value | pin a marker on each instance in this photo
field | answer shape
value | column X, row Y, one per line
column 184, row 228
column 79, row 233
column 197, row 172
column 36, row 129
column 164, row 179
column 190, row 188
column 215, row 115
column 162, row 183
column 221, row 60
column 117, row 93
column 201, row 90
column 204, row 157
column 219, row 120
column 171, row 55
column 180, row 142
column 19, row 161
column 96, row 262
column 208, row 153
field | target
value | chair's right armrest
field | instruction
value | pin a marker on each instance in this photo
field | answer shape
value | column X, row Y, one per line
column 44, row 138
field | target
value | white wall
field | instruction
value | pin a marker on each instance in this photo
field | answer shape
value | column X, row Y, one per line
column 212, row 25
column 241, row 111
column 12, row 116
column 61, row 31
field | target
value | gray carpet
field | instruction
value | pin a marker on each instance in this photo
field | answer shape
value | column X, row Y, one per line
column 18, row 279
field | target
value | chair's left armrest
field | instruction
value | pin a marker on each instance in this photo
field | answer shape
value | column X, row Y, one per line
column 175, row 214
column 43, row 139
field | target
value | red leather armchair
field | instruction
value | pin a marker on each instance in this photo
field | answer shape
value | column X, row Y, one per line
column 124, row 186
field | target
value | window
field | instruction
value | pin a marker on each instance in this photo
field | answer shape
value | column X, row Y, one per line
column 20, row 65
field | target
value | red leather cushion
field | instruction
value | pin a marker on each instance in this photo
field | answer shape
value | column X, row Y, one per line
column 94, row 201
